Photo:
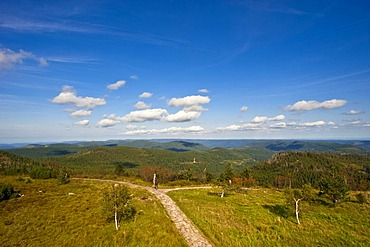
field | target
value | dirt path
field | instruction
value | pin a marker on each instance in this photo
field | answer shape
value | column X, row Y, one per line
column 183, row 224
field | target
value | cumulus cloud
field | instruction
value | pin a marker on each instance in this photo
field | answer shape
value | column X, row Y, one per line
column 277, row 118
column 116, row 85
column 106, row 122
column 259, row 119
column 146, row 95
column 280, row 125
column 244, row 108
column 197, row 108
column 182, row 116
column 141, row 105
column 189, row 101
column 80, row 113
column 68, row 97
column 313, row 124
column 203, row 90
column 353, row 112
column 9, row 58
column 241, row 127
column 145, row 115
column 131, row 127
column 171, row 130
column 312, row 105
column 83, row 123
column 263, row 119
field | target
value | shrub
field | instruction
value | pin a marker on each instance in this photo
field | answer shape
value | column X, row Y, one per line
column 40, row 172
column 6, row 191
column 361, row 198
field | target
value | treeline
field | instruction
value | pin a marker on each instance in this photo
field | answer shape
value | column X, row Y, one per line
column 283, row 170
column 103, row 160
column 295, row 169
column 11, row 164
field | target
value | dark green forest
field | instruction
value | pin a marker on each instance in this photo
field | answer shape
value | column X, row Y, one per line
column 251, row 166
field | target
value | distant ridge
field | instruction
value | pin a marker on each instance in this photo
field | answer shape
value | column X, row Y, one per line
column 185, row 145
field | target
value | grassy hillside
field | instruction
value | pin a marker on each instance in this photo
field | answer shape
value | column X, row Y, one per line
column 259, row 218
column 54, row 217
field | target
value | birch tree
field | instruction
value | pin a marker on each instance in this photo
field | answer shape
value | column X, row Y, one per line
column 117, row 204
column 295, row 196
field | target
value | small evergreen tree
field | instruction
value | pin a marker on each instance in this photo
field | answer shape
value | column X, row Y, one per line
column 335, row 188
column 63, row 177
column 6, row 191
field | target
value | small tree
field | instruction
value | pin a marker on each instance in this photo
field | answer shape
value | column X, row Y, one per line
column 6, row 191
column 335, row 188
column 294, row 196
column 63, row 177
column 117, row 204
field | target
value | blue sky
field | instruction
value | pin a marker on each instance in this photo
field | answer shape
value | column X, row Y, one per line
column 97, row 70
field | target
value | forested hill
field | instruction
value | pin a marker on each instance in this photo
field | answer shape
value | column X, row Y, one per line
column 60, row 149
column 298, row 168
column 105, row 159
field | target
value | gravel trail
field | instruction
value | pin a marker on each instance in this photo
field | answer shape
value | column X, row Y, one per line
column 183, row 224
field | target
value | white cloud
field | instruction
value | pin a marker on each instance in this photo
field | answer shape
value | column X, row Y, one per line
column 312, row 105
column 141, row 105
column 106, row 122
column 197, row 108
column 313, row 124
column 280, row 125
column 83, row 123
column 355, row 122
column 145, row 115
column 146, row 95
column 203, row 90
column 263, row 119
column 259, row 119
column 116, row 85
column 9, row 58
column 171, row 130
column 68, row 97
column 189, row 101
column 134, row 77
column 131, row 127
column 353, row 112
column 244, row 108
column 242, row 127
column 182, row 116
column 80, row 113
column 277, row 118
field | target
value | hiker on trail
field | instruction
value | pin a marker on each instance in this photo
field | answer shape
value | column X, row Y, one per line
column 155, row 181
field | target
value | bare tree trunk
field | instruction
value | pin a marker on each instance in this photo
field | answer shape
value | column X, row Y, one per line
column 115, row 218
column 296, row 209
column 222, row 193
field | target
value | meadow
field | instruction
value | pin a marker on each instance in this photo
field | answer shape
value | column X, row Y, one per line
column 260, row 218
column 48, row 215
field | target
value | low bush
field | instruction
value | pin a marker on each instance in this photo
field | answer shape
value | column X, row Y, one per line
column 6, row 191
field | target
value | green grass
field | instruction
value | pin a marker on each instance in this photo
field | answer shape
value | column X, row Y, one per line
column 54, row 218
column 258, row 218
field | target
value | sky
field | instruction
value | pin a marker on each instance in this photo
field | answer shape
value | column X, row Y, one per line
column 223, row 69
